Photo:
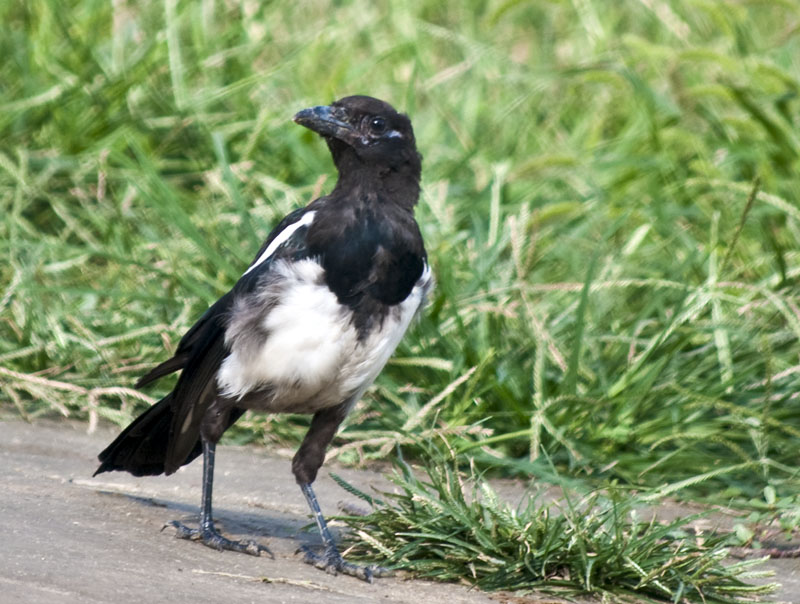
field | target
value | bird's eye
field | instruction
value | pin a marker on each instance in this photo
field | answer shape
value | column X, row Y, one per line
column 377, row 125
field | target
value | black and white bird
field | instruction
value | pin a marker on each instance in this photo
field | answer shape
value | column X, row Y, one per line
column 308, row 326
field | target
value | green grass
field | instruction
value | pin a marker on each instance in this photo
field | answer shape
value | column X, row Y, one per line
column 610, row 204
column 455, row 527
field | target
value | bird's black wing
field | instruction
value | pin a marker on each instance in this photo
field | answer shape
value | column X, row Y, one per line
column 208, row 326
column 202, row 349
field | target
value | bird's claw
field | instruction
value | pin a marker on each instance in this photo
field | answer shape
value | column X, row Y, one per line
column 211, row 538
column 331, row 562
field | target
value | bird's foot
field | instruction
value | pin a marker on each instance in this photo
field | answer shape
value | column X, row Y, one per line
column 331, row 562
column 211, row 538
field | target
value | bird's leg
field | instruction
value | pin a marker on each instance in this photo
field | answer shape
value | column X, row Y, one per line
column 207, row 533
column 305, row 465
column 331, row 560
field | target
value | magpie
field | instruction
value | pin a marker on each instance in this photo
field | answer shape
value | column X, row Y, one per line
column 306, row 328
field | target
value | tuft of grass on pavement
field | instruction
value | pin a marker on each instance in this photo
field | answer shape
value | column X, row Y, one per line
column 449, row 526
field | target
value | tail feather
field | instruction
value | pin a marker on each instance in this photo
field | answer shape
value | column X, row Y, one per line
column 141, row 448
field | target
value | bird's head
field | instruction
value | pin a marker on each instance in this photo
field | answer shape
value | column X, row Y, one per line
column 365, row 134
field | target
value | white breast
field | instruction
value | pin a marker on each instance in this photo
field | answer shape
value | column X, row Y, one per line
column 310, row 356
column 371, row 355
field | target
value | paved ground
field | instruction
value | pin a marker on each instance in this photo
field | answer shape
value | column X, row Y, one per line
column 68, row 537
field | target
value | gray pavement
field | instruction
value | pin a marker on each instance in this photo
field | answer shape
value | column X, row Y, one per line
column 68, row 537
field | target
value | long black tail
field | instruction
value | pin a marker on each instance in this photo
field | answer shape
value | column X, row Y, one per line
column 142, row 447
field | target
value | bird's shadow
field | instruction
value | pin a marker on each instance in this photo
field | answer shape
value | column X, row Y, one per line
column 235, row 522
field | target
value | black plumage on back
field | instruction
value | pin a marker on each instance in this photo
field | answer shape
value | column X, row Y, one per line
column 310, row 323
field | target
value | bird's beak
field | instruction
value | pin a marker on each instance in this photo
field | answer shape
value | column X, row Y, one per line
column 329, row 122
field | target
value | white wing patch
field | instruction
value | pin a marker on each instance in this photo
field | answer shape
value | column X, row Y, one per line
column 282, row 237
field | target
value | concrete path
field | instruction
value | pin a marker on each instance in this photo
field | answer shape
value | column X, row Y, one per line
column 68, row 537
